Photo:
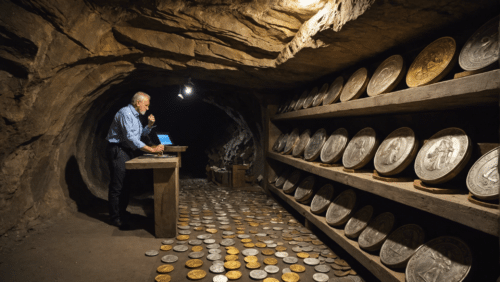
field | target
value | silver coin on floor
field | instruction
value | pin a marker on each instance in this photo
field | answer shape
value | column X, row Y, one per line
column 181, row 243
column 329, row 260
column 184, row 232
column 227, row 242
column 214, row 257
column 195, row 242
column 228, row 233
column 214, row 251
column 261, row 234
column 258, row 274
column 271, row 269
column 250, row 252
column 324, row 268
column 320, row 277
column 286, row 270
column 243, row 236
column 272, row 245
column 168, row 242
column 184, row 227
column 169, row 258
column 181, row 248
column 311, row 261
column 196, row 255
column 307, row 249
column 213, row 246
column 217, row 268
column 281, row 254
column 209, row 241
column 220, row 278
column 290, row 260
column 152, row 253
column 293, row 243
column 203, row 236
column 218, row 262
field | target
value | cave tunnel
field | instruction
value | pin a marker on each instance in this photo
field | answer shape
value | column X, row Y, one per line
column 271, row 83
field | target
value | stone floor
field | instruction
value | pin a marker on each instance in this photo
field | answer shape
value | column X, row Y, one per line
column 216, row 221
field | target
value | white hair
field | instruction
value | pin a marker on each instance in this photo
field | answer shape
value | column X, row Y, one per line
column 140, row 96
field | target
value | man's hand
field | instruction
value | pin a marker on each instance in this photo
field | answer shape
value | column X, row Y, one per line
column 151, row 121
column 158, row 148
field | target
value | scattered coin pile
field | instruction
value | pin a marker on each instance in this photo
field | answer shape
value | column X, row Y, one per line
column 242, row 235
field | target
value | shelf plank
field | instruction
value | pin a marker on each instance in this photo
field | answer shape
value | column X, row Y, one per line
column 453, row 207
column 479, row 89
column 371, row 262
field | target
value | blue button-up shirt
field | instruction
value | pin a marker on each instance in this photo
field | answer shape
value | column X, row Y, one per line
column 127, row 128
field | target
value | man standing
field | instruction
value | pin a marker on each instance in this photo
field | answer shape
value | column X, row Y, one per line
column 124, row 136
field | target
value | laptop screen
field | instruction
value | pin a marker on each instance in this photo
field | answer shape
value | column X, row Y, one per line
column 164, row 139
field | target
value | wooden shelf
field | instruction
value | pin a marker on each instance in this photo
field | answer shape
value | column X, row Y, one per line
column 453, row 207
column 479, row 89
column 371, row 262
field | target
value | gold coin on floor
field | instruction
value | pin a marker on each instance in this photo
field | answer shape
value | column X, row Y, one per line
column 233, row 275
column 163, row 278
column 228, row 236
column 302, row 255
column 198, row 228
column 196, row 274
column 341, row 273
column 317, row 242
column 247, row 240
column 194, row 263
column 166, row 247
column 166, row 268
column 211, row 230
column 249, row 245
column 260, row 245
column 233, row 251
column 197, row 249
column 231, row 257
column 253, row 224
column 341, row 262
column 280, row 248
column 253, row 265
column 183, row 219
column 240, row 228
column 352, row 272
column 290, row 277
column 182, row 224
column 270, row 261
column 270, row 279
column 240, row 232
column 254, row 231
column 251, row 259
column 297, row 268
column 267, row 252
column 234, row 264
column 313, row 255
column 183, row 237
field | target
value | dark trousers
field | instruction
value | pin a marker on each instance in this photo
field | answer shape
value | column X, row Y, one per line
column 119, row 186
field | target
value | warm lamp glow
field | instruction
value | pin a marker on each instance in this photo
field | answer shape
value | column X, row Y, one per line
column 305, row 3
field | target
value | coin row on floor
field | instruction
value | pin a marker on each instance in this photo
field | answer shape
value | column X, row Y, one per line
column 440, row 159
column 398, row 248
column 432, row 64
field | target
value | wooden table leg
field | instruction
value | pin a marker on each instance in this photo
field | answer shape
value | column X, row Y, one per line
column 179, row 156
column 166, row 197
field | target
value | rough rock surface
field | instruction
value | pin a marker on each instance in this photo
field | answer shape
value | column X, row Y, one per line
column 62, row 62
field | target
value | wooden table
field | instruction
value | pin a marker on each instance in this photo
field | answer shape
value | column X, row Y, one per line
column 166, row 191
column 175, row 149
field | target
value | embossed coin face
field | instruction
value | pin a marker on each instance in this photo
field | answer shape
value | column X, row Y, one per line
column 293, row 140
column 300, row 101
column 168, row 242
column 281, row 254
column 320, row 277
column 258, row 274
column 323, row 268
column 181, row 248
column 194, row 263
column 355, row 85
column 311, row 261
column 233, row 275
column 320, row 96
column 372, row 238
column 360, row 149
column 334, row 147
column 165, row 268
column 196, row 255
column 220, row 278
column 310, row 97
column 443, row 156
column 227, row 242
column 282, row 143
column 214, row 257
column 271, row 269
column 303, row 142
column 290, row 277
column 358, row 222
column 214, row 251
column 279, row 183
column 387, row 76
column 341, row 208
column 250, row 252
column 305, row 188
column 322, row 199
column 251, row 259
column 233, row 264
column 270, row 279
column 313, row 149
column 270, row 261
column 401, row 245
column 253, row 265
column 152, row 253
column 297, row 268
column 442, row 259
column 195, row 242
column 169, row 259
column 163, row 278
column 217, row 268
column 292, row 181
column 433, row 63
column 333, row 93
column 482, row 49
column 290, row 260
column 482, row 179
column 204, row 236
column 277, row 142
column 196, row 274
column 396, row 152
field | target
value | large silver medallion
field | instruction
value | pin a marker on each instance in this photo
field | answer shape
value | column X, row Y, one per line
column 291, row 142
column 292, row 181
column 322, row 199
column 315, row 145
column 482, row 179
column 333, row 93
column 358, row 222
column 277, row 142
column 396, row 152
column 443, row 156
column 387, row 76
column 305, row 189
column 300, row 102
column 372, row 238
column 355, row 86
column 292, row 104
column 282, row 143
column 401, row 245
column 444, row 259
column 282, row 178
column 360, row 149
column 341, row 208
column 320, row 96
column 303, row 142
column 482, row 49
column 258, row 274
column 334, row 147
column 309, row 100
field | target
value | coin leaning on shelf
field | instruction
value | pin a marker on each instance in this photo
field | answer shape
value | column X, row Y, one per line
column 401, row 245
column 372, row 238
column 305, row 189
column 340, row 209
column 322, row 199
column 387, row 76
column 483, row 177
column 334, row 147
column 396, row 152
column 360, row 149
column 358, row 222
column 298, row 150
column 355, row 85
column 313, row 149
column 481, row 49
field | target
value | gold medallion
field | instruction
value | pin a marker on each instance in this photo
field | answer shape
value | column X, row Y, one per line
column 233, row 275
column 166, row 247
column 297, row 268
column 198, row 228
column 302, row 255
column 194, row 263
column 166, row 268
column 163, row 278
column 231, row 257
column 228, row 236
column 270, row 279
column 267, row 252
column 433, row 63
column 260, row 245
column 253, row 265
column 234, row 264
column 251, row 259
column 270, row 261
column 211, row 230
column 183, row 237
column 233, row 251
column 280, row 248
column 249, row 245
column 197, row 249
column 290, row 277
column 247, row 240
column 196, row 274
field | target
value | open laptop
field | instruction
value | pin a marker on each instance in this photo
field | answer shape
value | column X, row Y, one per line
column 164, row 138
